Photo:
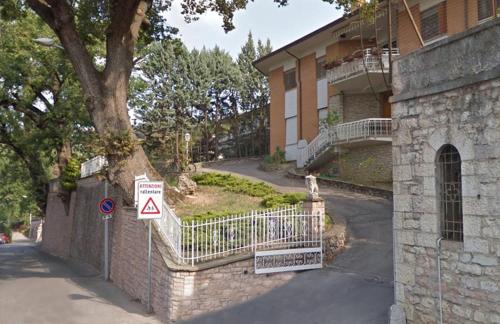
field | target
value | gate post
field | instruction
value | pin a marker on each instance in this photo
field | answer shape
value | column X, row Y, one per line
column 314, row 205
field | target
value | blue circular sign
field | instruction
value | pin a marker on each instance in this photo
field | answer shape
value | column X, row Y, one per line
column 107, row 206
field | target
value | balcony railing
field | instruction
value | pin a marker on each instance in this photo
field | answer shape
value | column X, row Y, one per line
column 360, row 130
column 369, row 62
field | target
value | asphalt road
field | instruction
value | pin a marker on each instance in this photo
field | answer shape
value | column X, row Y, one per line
column 356, row 288
column 38, row 288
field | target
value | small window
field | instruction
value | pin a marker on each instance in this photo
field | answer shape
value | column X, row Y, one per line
column 320, row 68
column 433, row 22
column 484, row 9
column 450, row 186
column 290, row 81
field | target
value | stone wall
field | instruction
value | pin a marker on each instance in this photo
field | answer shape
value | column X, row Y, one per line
column 448, row 93
column 196, row 293
column 179, row 292
column 360, row 106
column 368, row 164
column 58, row 223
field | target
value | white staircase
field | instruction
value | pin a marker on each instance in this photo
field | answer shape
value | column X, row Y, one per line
column 370, row 129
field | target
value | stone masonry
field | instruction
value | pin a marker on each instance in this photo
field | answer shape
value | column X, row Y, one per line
column 448, row 93
column 179, row 292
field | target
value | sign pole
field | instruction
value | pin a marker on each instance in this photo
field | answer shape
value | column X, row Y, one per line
column 106, row 237
column 149, row 268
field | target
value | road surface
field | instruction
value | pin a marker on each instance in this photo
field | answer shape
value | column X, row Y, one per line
column 357, row 288
column 38, row 288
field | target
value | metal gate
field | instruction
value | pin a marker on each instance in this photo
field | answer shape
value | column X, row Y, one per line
column 288, row 242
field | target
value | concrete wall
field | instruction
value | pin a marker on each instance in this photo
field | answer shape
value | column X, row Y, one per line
column 439, row 101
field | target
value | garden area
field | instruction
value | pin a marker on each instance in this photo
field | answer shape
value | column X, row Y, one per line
column 220, row 195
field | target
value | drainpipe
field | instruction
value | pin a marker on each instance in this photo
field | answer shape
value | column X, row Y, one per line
column 414, row 23
column 438, row 245
column 299, row 93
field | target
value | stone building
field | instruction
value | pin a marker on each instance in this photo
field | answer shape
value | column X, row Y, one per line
column 446, row 157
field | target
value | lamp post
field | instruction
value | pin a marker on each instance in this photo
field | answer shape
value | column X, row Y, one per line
column 187, row 138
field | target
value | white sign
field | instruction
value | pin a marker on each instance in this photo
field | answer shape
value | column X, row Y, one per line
column 136, row 188
column 150, row 204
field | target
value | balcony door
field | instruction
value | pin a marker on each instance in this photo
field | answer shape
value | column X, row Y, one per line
column 385, row 105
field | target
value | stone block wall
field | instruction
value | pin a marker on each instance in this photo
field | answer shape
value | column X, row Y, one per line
column 360, row 106
column 448, row 93
column 58, row 223
column 366, row 164
column 178, row 292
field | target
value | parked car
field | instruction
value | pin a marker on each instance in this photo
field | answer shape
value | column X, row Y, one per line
column 4, row 238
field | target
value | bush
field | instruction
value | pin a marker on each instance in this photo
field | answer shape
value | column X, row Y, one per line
column 70, row 174
column 277, row 158
column 234, row 184
column 277, row 200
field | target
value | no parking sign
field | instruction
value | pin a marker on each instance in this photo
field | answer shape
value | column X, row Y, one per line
column 107, row 206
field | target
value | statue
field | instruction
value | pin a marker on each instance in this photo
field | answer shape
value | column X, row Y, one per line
column 312, row 187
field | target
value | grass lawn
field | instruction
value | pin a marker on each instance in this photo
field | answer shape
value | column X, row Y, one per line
column 217, row 200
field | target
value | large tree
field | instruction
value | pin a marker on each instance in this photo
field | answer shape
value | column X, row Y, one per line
column 80, row 24
column 40, row 101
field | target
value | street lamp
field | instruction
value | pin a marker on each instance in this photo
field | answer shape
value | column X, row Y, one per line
column 187, row 138
column 49, row 42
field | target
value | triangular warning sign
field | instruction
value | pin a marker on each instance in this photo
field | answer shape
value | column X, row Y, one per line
column 150, row 208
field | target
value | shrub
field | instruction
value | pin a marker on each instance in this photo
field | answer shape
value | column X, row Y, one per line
column 277, row 200
column 70, row 174
column 278, row 157
column 5, row 229
column 234, row 184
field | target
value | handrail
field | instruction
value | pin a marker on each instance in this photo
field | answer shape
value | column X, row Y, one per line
column 369, row 61
column 346, row 132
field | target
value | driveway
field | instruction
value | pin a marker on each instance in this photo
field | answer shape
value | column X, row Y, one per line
column 356, row 288
column 38, row 288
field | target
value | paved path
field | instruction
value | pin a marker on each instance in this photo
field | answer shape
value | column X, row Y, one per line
column 355, row 289
column 38, row 288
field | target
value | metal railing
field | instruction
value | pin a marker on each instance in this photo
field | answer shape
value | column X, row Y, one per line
column 371, row 128
column 198, row 241
column 373, row 63
column 93, row 166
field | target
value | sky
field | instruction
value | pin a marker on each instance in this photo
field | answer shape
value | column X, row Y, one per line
column 262, row 17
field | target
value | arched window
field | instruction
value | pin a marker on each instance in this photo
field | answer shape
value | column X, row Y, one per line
column 450, row 186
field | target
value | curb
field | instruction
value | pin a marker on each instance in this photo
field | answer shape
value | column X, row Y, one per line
column 372, row 191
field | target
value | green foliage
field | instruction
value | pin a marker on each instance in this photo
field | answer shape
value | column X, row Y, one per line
column 278, row 200
column 118, row 145
column 332, row 119
column 278, row 157
column 234, row 184
column 70, row 174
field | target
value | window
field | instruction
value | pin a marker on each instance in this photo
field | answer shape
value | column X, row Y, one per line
column 450, row 185
column 484, row 9
column 290, row 81
column 320, row 68
column 433, row 21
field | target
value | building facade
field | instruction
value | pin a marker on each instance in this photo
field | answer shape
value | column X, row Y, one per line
column 343, row 69
column 446, row 155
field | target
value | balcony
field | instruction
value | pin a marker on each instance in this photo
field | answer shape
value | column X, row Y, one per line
column 359, row 72
column 356, row 133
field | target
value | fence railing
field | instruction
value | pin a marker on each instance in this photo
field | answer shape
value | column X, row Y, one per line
column 346, row 132
column 198, row 241
column 93, row 166
column 369, row 61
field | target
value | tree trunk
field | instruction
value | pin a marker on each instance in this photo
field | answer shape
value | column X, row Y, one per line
column 106, row 92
